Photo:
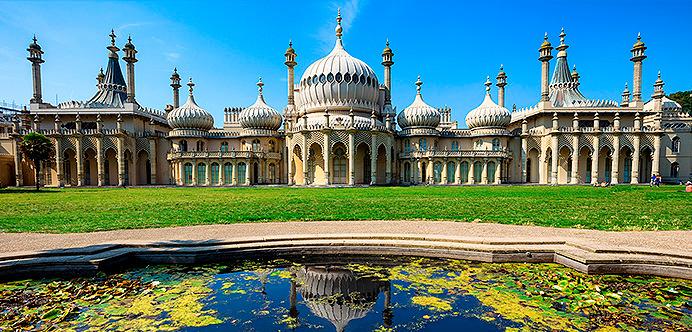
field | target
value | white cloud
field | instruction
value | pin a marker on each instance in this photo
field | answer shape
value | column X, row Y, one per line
column 172, row 56
column 349, row 12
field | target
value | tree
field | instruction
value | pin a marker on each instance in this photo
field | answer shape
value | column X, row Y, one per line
column 37, row 148
column 684, row 98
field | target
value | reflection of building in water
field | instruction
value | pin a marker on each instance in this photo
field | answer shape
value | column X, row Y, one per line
column 338, row 295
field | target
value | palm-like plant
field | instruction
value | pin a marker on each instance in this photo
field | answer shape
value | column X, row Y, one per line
column 37, row 148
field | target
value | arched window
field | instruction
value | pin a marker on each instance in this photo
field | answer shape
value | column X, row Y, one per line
column 675, row 145
column 608, row 169
column 674, row 170
column 187, row 174
column 455, row 146
column 407, row 146
column 477, row 172
column 437, row 172
column 256, row 145
column 422, row 144
column 407, row 172
column 587, row 176
column 227, row 173
column 200, row 145
column 272, row 173
column 339, row 165
column 464, row 172
column 183, row 146
column 242, row 169
column 496, row 144
column 214, row 174
column 627, row 170
column 451, row 170
column 491, row 171
column 201, row 173
column 224, row 146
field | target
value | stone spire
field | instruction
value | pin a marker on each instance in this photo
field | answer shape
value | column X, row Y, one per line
column 637, row 58
column 112, row 93
column 625, row 96
column 290, row 63
column 544, row 57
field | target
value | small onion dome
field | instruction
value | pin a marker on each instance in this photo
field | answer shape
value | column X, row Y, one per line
column 34, row 44
column 260, row 115
column 419, row 114
column 387, row 50
column 488, row 114
column 546, row 43
column 639, row 43
column 129, row 45
column 190, row 115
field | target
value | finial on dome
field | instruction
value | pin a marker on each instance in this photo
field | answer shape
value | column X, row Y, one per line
column 418, row 84
column 129, row 38
column 112, row 35
column 386, row 43
column 191, row 85
column 562, row 36
column 338, row 29
column 290, row 43
column 487, row 84
column 34, row 39
column 545, row 36
column 260, row 85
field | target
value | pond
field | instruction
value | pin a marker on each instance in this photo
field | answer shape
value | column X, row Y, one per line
column 356, row 294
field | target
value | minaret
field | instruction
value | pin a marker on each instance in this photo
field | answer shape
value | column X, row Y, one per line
column 290, row 63
column 501, row 83
column 130, row 57
column 625, row 97
column 175, row 84
column 387, row 62
column 36, row 59
column 658, row 93
column 544, row 57
column 637, row 58
column 100, row 77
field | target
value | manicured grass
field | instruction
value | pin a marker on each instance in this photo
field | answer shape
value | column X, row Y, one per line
column 84, row 210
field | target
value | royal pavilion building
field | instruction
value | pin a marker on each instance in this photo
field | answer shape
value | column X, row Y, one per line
column 339, row 127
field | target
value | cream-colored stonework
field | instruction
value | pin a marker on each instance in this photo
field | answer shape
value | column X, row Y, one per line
column 339, row 127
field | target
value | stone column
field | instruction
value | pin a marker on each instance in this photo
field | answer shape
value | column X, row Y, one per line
column 195, row 180
column 498, row 171
column 594, row 159
column 541, row 167
column 524, row 155
column 351, row 157
column 616, row 160
column 58, row 162
column 472, row 171
column 373, row 160
column 121, row 162
column 444, row 171
column 458, row 172
column 554, row 160
column 247, row 172
column 99, row 161
column 152, row 160
column 388, row 170
column 326, row 155
column 484, row 173
column 419, row 171
column 234, row 173
column 430, row 171
column 574, row 177
column 80, row 162
column 635, row 160
column 208, row 173
column 19, row 178
column 306, row 164
column 656, row 162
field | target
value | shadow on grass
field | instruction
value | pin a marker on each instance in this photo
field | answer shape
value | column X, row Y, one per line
column 27, row 191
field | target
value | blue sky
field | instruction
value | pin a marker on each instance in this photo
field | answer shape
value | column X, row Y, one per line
column 226, row 46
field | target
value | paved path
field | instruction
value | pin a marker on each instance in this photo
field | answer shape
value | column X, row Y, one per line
column 666, row 253
column 679, row 242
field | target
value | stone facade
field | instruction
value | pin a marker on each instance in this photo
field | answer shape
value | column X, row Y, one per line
column 340, row 128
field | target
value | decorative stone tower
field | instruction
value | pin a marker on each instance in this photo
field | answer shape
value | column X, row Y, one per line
column 625, row 96
column 290, row 64
column 36, row 59
column 100, row 77
column 544, row 57
column 501, row 83
column 575, row 75
column 387, row 62
column 637, row 58
column 175, row 84
column 130, row 57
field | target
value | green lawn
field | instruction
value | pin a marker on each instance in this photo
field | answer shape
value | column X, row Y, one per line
column 84, row 210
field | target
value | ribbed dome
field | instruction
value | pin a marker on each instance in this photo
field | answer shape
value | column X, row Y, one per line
column 190, row 115
column 488, row 114
column 338, row 82
column 419, row 114
column 260, row 115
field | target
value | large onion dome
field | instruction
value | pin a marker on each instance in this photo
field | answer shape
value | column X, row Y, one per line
column 488, row 114
column 190, row 116
column 338, row 82
column 419, row 114
column 260, row 115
